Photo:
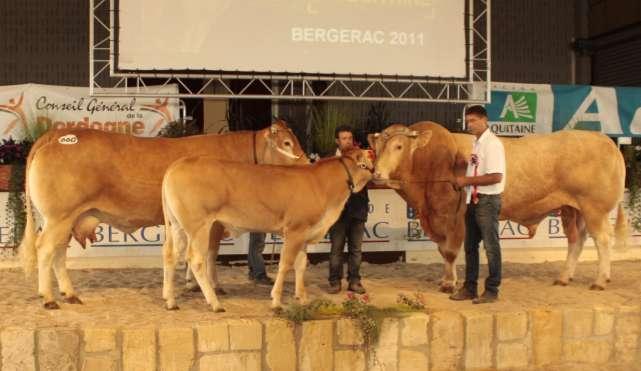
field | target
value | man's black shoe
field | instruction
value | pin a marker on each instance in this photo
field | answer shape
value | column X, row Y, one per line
column 263, row 280
column 486, row 297
column 463, row 294
column 356, row 287
column 334, row 288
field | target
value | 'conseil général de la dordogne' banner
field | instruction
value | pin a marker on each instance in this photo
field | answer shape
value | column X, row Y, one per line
column 30, row 108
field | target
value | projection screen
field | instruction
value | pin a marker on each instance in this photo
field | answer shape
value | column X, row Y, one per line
column 343, row 37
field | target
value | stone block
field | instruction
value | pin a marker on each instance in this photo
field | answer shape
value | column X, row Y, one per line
column 348, row 333
column 18, row 349
column 58, row 349
column 411, row 360
column 446, row 342
column 281, row 346
column 246, row 361
column 547, row 332
column 587, row 351
column 213, row 337
column 511, row 356
column 479, row 334
column 99, row 339
column 511, row 325
column 603, row 320
column 99, row 363
column 245, row 334
column 139, row 349
column 414, row 330
column 316, row 348
column 384, row 356
column 176, row 348
column 578, row 323
column 349, row 360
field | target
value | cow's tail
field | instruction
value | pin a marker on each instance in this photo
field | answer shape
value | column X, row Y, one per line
column 621, row 229
column 27, row 249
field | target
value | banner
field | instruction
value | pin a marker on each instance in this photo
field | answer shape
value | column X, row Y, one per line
column 613, row 111
column 362, row 37
column 521, row 109
column 29, row 108
column 391, row 226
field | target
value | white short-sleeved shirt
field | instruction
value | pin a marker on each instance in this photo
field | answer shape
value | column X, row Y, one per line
column 491, row 160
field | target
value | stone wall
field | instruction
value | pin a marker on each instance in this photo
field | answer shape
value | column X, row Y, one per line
column 445, row 340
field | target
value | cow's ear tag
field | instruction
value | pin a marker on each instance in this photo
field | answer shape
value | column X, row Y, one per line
column 68, row 139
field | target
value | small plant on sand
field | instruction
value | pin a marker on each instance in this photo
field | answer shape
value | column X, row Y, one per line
column 415, row 302
column 368, row 317
column 316, row 309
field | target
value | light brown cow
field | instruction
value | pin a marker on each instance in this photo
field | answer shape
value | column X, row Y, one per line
column 77, row 178
column 299, row 202
column 577, row 172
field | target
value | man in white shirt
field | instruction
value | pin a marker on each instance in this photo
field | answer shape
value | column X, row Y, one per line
column 484, row 182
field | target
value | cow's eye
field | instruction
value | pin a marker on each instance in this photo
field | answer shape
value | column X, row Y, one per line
column 287, row 143
column 398, row 146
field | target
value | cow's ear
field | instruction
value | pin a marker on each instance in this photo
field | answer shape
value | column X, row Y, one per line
column 422, row 139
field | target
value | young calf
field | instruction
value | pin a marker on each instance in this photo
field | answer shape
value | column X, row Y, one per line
column 299, row 202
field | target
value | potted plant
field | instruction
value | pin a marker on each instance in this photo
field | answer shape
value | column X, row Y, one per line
column 12, row 153
column 325, row 120
column 13, row 159
column 632, row 155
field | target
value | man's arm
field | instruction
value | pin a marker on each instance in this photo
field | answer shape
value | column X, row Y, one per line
column 479, row 180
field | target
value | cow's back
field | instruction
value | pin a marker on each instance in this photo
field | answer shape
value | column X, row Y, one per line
column 560, row 168
column 272, row 196
column 570, row 167
column 120, row 175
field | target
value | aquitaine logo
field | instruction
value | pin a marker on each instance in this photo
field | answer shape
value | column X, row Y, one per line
column 519, row 107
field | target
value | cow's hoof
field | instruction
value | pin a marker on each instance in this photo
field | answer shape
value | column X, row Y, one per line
column 597, row 287
column 302, row 300
column 220, row 291
column 73, row 300
column 277, row 310
column 560, row 283
column 51, row 305
column 219, row 310
column 607, row 281
column 171, row 307
column 446, row 289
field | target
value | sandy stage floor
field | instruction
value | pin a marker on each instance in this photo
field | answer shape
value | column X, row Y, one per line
column 131, row 297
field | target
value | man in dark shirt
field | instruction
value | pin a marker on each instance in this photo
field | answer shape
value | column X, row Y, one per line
column 350, row 226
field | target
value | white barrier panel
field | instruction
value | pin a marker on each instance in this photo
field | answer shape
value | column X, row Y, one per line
column 418, row 37
column 390, row 227
column 22, row 107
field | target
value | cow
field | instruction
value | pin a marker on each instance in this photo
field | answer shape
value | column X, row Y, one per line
column 77, row 178
column 578, row 173
column 300, row 203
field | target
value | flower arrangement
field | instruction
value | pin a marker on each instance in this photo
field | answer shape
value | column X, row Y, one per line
column 12, row 152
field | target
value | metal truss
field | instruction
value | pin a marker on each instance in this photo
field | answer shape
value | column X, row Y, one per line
column 103, row 76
